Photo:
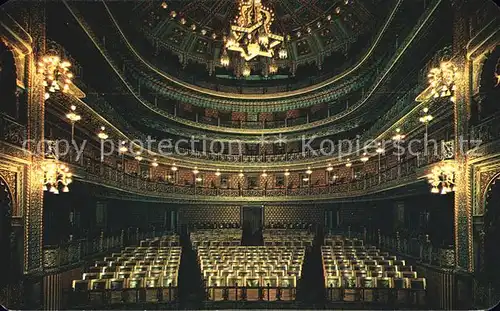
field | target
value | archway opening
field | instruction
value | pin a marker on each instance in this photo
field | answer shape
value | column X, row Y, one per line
column 492, row 235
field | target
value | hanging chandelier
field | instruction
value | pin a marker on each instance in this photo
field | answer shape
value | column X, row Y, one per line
column 56, row 175
column 251, row 36
column 442, row 178
column 56, row 74
column 442, row 80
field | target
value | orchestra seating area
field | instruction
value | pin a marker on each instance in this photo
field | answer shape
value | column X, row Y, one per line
column 251, row 273
column 354, row 272
column 285, row 237
column 215, row 237
column 138, row 274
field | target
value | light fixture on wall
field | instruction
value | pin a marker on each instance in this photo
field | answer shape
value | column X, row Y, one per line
column 154, row 163
column 196, row 171
column 442, row 178
column 73, row 117
column 122, row 148
column 348, row 164
column 138, row 156
column 364, row 158
column 309, row 171
column 264, row 174
column 329, row 168
column 174, row 168
column 102, row 134
column 217, row 173
column 398, row 137
column 56, row 74
column 56, row 175
column 442, row 80
column 241, row 174
column 286, row 173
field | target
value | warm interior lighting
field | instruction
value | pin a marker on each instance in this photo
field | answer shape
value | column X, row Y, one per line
column 309, row 171
column 251, row 34
column 264, row 174
column 364, row 158
column 154, row 163
column 102, row 135
column 246, row 70
column 398, row 136
column 55, row 175
column 427, row 117
column 241, row 174
column 138, row 156
column 217, row 173
column 348, row 164
column 56, row 74
column 379, row 149
column 122, row 148
column 196, row 171
column 442, row 79
column 174, row 168
column 329, row 168
column 164, row 5
column 286, row 173
column 72, row 115
column 442, row 178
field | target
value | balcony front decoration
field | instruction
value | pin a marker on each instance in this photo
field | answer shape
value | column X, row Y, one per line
column 442, row 178
column 251, row 37
column 56, row 74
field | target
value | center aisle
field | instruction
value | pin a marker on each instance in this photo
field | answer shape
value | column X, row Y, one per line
column 310, row 290
column 191, row 288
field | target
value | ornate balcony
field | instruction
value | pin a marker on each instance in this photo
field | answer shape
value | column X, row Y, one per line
column 407, row 172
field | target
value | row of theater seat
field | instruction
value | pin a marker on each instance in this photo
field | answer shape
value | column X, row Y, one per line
column 253, row 272
column 216, row 237
column 350, row 266
column 134, row 267
column 284, row 237
column 168, row 241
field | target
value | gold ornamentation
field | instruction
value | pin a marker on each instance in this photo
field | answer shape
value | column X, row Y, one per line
column 251, row 34
column 442, row 178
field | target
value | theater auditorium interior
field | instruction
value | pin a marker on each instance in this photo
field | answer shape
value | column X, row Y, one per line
column 249, row 154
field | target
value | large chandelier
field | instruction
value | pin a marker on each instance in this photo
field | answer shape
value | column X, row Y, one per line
column 442, row 178
column 250, row 35
column 442, row 80
column 56, row 176
column 56, row 74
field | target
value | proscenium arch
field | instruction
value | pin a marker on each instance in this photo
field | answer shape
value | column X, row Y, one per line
column 6, row 208
column 486, row 189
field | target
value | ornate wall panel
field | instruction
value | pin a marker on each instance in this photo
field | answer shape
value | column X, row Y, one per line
column 293, row 214
column 209, row 214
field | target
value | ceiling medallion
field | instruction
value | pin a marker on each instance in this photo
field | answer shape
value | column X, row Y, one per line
column 251, row 35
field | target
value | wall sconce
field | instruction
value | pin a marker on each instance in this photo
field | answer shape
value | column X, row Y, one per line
column 442, row 178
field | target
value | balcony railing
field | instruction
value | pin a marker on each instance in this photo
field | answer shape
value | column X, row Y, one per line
column 57, row 256
column 418, row 248
column 92, row 170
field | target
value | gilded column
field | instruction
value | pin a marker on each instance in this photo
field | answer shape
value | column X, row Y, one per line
column 33, row 229
column 463, row 202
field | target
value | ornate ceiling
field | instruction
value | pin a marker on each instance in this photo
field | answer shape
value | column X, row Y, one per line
column 314, row 30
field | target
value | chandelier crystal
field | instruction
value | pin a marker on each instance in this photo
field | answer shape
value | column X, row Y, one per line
column 251, row 34
column 442, row 178
column 442, row 80
column 56, row 74
column 56, row 175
